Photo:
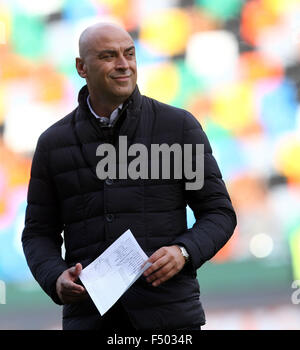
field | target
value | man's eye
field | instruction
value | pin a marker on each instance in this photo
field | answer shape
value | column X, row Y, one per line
column 107, row 56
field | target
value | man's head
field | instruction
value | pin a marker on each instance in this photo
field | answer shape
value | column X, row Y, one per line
column 107, row 62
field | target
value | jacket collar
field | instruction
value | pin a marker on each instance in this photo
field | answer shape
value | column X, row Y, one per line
column 131, row 109
column 133, row 102
column 89, row 137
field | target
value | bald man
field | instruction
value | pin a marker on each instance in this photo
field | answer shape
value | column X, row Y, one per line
column 107, row 63
column 67, row 195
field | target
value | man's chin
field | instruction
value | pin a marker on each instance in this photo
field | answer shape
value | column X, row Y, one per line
column 124, row 92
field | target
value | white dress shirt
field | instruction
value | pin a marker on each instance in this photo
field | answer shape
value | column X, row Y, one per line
column 105, row 120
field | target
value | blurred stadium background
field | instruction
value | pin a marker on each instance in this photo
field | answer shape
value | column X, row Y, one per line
column 234, row 64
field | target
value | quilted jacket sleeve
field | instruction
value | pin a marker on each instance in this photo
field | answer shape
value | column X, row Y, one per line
column 211, row 205
column 41, row 236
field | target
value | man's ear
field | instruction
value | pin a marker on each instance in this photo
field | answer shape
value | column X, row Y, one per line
column 81, row 67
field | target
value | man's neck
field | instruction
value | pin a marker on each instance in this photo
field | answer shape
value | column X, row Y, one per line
column 103, row 109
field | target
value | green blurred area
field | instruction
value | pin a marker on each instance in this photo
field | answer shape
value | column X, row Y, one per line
column 28, row 36
column 222, row 9
column 244, row 277
column 221, row 286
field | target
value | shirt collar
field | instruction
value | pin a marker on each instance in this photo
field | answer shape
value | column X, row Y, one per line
column 107, row 120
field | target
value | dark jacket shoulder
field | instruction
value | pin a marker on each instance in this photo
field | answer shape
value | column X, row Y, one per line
column 172, row 114
column 58, row 134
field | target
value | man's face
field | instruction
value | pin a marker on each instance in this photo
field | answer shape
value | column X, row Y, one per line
column 110, row 65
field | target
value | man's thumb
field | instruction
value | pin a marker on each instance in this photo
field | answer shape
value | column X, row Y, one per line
column 75, row 270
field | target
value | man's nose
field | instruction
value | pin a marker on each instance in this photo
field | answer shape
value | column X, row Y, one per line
column 122, row 63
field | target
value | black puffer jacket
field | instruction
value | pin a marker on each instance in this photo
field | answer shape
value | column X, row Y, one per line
column 66, row 196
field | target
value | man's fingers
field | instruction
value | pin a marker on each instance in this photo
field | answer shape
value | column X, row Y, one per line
column 166, row 262
column 72, row 293
column 160, row 258
column 71, row 286
column 160, row 273
column 67, row 290
column 166, row 277
column 157, row 259
column 158, row 254
column 156, row 265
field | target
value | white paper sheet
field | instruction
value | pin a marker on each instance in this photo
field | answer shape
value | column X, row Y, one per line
column 114, row 271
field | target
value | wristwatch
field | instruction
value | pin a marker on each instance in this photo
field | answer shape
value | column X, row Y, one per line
column 184, row 253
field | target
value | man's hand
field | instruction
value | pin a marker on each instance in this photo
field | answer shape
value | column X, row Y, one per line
column 66, row 288
column 166, row 262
